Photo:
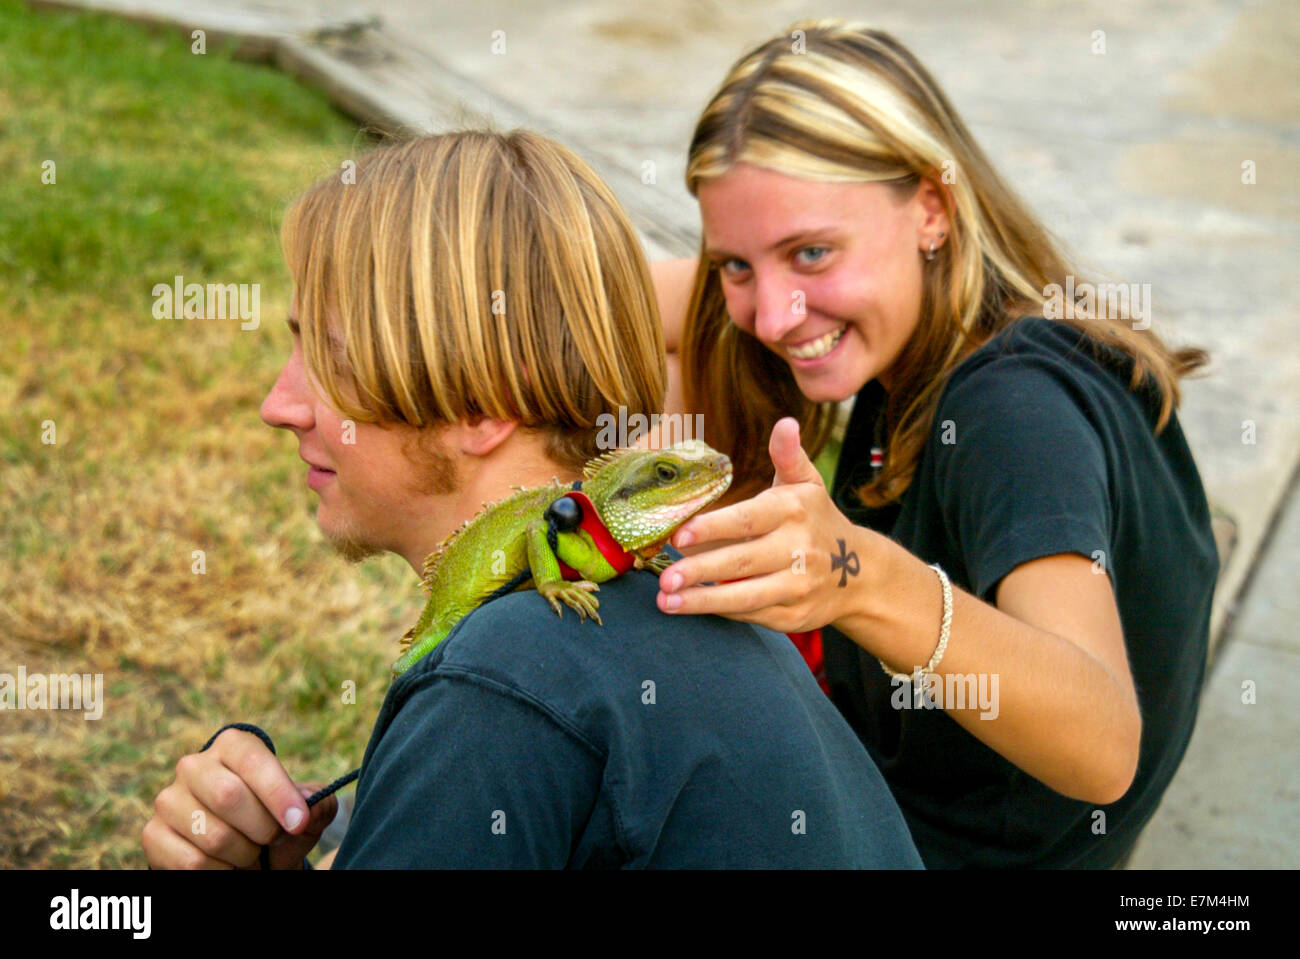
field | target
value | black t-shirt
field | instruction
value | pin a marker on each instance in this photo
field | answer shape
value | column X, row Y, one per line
column 1037, row 449
column 654, row 741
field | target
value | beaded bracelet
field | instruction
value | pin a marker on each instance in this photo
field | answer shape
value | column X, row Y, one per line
column 943, row 630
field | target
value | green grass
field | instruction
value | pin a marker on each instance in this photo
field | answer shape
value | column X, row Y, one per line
column 150, row 142
column 166, row 163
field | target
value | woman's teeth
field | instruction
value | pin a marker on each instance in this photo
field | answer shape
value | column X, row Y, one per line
column 818, row 347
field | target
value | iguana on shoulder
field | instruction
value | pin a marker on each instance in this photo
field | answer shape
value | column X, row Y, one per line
column 640, row 497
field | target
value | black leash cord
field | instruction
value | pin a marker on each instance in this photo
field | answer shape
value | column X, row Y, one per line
column 562, row 516
column 264, row 857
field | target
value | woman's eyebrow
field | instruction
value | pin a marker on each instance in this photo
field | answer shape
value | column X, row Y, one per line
column 813, row 233
column 821, row 232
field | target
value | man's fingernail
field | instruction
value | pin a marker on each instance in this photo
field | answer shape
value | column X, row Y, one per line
column 672, row 602
column 684, row 539
column 672, row 581
column 292, row 818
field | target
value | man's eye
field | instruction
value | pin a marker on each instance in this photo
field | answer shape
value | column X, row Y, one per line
column 816, row 253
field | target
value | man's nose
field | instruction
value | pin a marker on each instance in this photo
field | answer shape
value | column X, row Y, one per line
column 288, row 404
column 778, row 308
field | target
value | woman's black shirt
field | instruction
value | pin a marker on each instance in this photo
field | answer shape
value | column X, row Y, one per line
column 1037, row 448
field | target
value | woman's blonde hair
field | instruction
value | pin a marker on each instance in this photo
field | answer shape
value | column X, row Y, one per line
column 839, row 102
column 473, row 274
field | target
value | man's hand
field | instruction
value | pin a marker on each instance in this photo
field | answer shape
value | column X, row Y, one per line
column 229, row 801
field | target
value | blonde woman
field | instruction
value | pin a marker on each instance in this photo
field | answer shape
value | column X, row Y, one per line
column 1012, row 571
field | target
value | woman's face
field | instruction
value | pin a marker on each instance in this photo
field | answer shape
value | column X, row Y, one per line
column 826, row 275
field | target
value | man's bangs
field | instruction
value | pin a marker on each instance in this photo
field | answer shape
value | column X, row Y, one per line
column 307, row 238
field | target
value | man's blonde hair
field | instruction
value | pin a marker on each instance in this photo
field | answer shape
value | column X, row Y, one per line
column 473, row 274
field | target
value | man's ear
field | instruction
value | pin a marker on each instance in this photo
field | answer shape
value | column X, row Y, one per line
column 482, row 436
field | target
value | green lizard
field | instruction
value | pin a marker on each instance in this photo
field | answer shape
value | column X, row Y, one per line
column 641, row 497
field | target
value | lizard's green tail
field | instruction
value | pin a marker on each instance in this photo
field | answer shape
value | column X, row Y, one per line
column 419, row 647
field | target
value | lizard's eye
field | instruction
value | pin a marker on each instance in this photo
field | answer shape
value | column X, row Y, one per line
column 666, row 473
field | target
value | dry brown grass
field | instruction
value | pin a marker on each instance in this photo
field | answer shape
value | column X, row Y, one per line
column 160, row 450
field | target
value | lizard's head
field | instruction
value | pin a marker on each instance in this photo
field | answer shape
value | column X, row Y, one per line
column 642, row 496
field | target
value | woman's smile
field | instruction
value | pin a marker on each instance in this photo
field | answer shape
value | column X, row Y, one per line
column 808, row 354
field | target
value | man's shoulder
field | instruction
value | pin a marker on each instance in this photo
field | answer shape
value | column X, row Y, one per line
column 678, row 714
column 523, row 621
column 518, row 644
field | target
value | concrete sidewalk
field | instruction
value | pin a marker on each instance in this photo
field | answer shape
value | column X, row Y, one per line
column 1133, row 156
column 1234, row 801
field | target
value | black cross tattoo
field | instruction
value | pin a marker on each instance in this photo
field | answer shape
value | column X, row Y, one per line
column 846, row 563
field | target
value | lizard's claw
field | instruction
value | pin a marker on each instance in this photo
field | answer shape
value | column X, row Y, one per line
column 576, row 595
column 656, row 564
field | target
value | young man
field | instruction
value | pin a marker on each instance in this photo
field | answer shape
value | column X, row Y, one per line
column 465, row 312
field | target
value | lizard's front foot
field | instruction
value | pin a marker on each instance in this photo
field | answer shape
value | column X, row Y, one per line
column 656, row 564
column 576, row 595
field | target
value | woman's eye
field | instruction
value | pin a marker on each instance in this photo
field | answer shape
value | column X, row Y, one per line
column 816, row 253
column 733, row 266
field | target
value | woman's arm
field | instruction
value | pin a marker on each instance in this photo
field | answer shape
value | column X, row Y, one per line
column 673, row 280
column 1067, row 712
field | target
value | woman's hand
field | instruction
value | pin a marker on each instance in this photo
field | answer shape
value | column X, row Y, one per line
column 798, row 559
column 1064, row 708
